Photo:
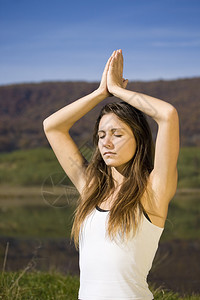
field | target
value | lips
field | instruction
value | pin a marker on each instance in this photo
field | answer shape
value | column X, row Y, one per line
column 109, row 153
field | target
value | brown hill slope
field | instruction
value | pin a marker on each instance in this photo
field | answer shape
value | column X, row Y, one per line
column 23, row 107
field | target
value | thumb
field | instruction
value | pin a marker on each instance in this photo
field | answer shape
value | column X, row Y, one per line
column 125, row 82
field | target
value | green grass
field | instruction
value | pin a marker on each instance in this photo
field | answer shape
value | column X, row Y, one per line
column 26, row 197
column 189, row 167
column 28, row 167
column 22, row 208
column 32, row 167
column 26, row 211
column 183, row 221
column 37, row 285
column 36, row 221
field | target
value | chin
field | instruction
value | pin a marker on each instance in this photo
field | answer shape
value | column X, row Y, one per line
column 114, row 164
column 110, row 164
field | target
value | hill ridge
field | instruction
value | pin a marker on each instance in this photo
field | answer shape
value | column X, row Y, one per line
column 23, row 107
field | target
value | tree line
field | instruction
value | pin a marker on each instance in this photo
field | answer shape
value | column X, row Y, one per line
column 23, row 107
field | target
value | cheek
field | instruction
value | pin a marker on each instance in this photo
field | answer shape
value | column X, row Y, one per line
column 129, row 149
column 128, row 144
column 99, row 145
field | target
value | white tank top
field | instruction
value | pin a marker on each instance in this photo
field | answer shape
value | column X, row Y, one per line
column 110, row 270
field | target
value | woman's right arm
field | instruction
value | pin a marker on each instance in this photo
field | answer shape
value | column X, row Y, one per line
column 57, row 125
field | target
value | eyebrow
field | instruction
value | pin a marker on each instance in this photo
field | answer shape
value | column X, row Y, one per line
column 113, row 129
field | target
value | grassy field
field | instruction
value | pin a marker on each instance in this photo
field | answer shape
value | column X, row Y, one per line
column 33, row 167
column 28, row 197
column 32, row 207
column 53, row 286
column 23, row 207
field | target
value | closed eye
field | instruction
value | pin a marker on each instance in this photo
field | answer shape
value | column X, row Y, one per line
column 117, row 135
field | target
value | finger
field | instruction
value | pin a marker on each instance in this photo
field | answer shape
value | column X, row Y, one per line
column 107, row 65
column 118, row 61
column 114, row 52
column 119, row 51
column 121, row 61
column 112, row 62
column 115, row 59
column 109, row 60
column 119, row 55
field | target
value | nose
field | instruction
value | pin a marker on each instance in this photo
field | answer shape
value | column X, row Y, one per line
column 107, row 142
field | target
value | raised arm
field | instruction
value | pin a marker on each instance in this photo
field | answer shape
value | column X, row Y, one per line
column 163, row 178
column 57, row 125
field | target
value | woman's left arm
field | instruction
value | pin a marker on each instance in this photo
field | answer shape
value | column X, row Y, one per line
column 164, row 176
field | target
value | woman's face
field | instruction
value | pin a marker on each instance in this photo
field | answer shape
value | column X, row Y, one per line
column 116, row 142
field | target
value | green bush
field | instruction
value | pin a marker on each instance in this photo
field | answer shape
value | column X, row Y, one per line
column 32, row 167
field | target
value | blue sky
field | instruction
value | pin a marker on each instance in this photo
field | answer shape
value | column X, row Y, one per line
column 54, row 40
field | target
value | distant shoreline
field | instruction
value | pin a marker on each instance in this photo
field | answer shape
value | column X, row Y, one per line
column 34, row 190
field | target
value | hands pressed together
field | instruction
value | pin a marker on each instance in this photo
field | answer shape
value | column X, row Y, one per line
column 113, row 74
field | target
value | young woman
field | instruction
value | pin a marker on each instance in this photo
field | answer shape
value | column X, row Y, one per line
column 124, row 190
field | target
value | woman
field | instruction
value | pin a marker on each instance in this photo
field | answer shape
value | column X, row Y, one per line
column 126, row 188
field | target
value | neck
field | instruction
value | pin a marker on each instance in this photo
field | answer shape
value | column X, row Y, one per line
column 117, row 176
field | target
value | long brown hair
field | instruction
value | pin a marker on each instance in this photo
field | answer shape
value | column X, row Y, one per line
column 123, row 216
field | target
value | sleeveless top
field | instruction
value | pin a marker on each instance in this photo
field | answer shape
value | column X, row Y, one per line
column 112, row 269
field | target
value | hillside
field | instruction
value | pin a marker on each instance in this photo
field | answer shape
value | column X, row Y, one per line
column 23, row 107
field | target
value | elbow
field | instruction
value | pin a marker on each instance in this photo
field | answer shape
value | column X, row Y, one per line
column 50, row 126
column 45, row 125
column 167, row 114
column 172, row 113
